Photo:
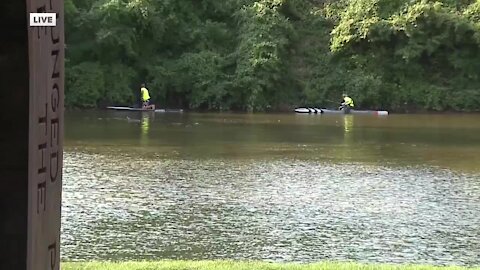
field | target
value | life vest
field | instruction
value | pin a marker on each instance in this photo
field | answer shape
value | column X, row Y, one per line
column 145, row 95
column 348, row 101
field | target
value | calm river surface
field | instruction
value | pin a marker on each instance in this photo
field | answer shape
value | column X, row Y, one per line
column 281, row 187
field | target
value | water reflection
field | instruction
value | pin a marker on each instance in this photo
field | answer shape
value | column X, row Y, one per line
column 346, row 151
column 145, row 126
column 348, row 123
column 440, row 140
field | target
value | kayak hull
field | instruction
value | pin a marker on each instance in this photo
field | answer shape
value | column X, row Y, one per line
column 309, row 110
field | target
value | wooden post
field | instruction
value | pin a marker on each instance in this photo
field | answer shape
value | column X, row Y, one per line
column 31, row 141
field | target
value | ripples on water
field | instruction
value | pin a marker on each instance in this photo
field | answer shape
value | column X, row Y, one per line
column 119, row 207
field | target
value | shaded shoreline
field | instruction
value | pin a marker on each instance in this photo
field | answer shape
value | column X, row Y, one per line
column 291, row 111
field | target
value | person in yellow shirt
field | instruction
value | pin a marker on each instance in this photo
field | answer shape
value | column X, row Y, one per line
column 145, row 96
column 347, row 103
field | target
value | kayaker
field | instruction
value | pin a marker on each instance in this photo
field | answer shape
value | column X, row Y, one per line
column 347, row 103
column 145, row 96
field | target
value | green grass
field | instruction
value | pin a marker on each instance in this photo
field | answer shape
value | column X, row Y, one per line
column 239, row 265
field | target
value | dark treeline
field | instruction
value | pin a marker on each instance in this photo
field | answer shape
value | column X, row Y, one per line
column 274, row 54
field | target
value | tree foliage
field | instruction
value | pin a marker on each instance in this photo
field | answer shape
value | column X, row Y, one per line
column 267, row 54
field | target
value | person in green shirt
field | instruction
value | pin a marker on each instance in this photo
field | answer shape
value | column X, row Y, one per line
column 145, row 96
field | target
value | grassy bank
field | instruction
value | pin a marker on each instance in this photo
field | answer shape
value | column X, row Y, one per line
column 236, row 265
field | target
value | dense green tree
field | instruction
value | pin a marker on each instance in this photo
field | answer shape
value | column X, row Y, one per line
column 269, row 54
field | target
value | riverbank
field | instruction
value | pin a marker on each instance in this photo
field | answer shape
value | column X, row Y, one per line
column 291, row 110
column 239, row 265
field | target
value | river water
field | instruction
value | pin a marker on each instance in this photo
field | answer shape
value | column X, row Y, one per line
column 272, row 187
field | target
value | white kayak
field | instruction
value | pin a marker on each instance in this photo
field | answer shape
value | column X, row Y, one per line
column 310, row 110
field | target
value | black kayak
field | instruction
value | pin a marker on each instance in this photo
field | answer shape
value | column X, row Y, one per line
column 143, row 110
